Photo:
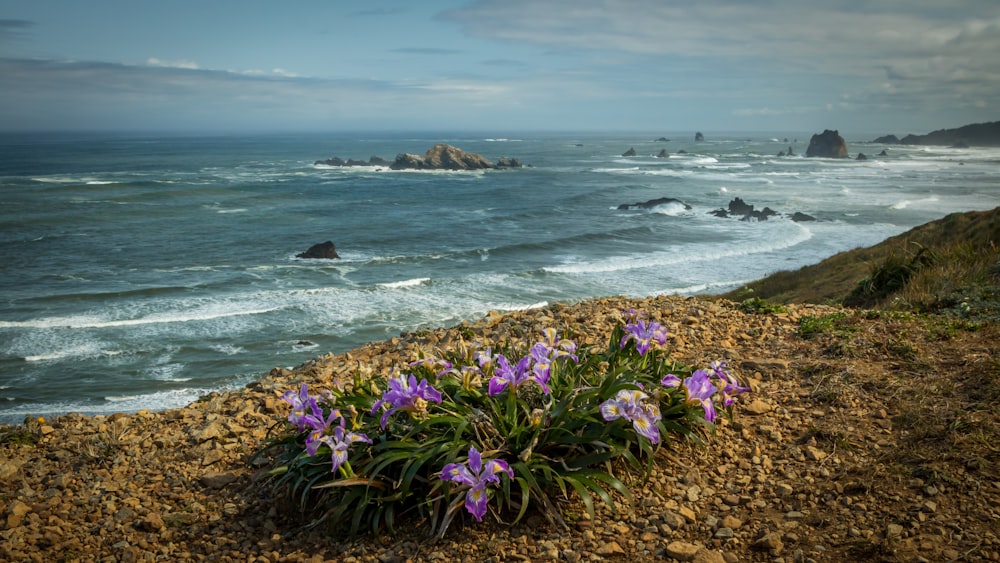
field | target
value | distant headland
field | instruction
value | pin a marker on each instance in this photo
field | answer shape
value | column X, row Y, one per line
column 976, row 134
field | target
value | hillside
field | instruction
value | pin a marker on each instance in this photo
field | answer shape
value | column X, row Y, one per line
column 949, row 264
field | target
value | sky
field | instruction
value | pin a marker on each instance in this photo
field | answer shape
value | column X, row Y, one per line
column 884, row 66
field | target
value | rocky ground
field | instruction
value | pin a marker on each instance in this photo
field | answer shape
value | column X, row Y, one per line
column 868, row 436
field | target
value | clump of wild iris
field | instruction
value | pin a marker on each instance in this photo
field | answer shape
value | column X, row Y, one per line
column 522, row 427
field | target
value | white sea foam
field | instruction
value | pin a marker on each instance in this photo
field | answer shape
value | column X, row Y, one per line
column 90, row 321
column 673, row 209
column 683, row 255
column 918, row 202
column 228, row 349
column 405, row 283
column 707, row 286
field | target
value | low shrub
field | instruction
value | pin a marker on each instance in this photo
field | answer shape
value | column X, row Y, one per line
column 524, row 427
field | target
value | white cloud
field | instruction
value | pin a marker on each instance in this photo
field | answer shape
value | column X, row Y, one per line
column 189, row 65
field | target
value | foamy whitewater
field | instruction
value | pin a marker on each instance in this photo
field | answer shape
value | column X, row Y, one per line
column 142, row 273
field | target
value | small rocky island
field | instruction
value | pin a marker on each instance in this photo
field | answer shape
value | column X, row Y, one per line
column 828, row 144
column 439, row 157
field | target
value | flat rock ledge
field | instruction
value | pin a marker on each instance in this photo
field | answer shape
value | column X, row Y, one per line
column 776, row 484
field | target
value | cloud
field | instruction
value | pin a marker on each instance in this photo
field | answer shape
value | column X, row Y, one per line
column 14, row 29
column 190, row 65
column 49, row 94
column 858, row 46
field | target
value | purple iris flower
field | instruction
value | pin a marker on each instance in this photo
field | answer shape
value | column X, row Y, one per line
column 339, row 440
column 303, row 404
column 558, row 347
column 731, row 386
column 485, row 358
column 320, row 425
column 476, row 475
column 513, row 376
column 629, row 404
column 699, row 389
column 644, row 333
column 406, row 395
column 541, row 362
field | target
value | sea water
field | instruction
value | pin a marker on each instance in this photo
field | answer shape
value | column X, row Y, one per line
column 141, row 272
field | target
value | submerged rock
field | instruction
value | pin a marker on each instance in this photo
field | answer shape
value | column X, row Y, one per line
column 653, row 203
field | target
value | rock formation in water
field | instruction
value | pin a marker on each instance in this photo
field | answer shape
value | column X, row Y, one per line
column 322, row 251
column 653, row 203
column 438, row 157
column 828, row 144
column 337, row 161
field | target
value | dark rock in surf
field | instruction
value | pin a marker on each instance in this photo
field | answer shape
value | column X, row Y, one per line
column 883, row 153
column 663, row 154
column 828, row 144
column 698, row 136
column 322, row 251
column 337, row 161
column 745, row 211
column 663, row 140
column 629, row 152
column 504, row 162
column 653, row 203
column 861, row 156
column 800, row 217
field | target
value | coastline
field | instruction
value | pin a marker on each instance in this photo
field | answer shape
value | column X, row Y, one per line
column 174, row 484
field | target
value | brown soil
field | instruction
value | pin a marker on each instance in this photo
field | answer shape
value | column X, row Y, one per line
column 867, row 437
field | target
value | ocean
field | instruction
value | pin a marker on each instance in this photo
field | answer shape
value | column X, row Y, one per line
column 142, row 272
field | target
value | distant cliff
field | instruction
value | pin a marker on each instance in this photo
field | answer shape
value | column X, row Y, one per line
column 977, row 134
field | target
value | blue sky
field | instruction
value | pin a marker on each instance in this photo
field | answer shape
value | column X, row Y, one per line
column 888, row 66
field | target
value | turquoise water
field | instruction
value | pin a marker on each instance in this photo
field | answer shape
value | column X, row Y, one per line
column 141, row 272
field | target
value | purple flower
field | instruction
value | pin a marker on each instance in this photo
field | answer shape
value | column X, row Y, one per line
column 629, row 404
column 476, row 476
column 320, row 425
column 338, row 441
column 485, row 358
column 541, row 361
column 513, row 376
column 699, row 389
column 644, row 333
column 406, row 395
column 303, row 404
column 731, row 386
column 557, row 347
